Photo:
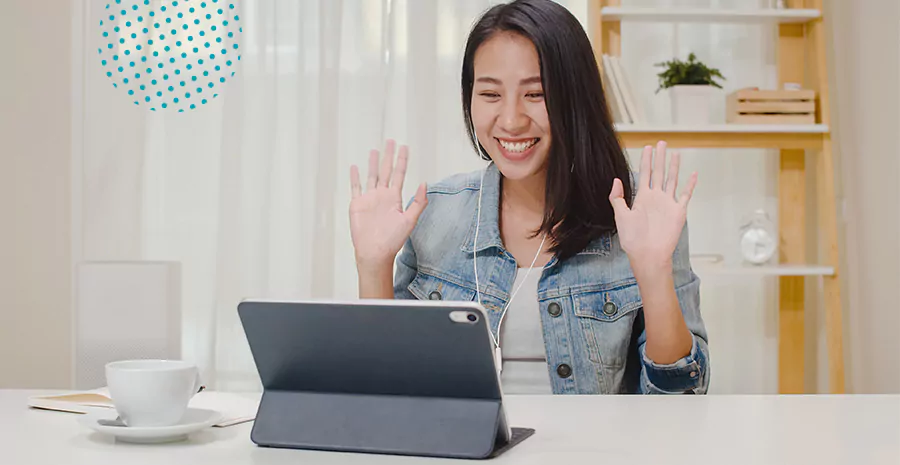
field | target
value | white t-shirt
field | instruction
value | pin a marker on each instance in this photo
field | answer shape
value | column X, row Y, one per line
column 522, row 340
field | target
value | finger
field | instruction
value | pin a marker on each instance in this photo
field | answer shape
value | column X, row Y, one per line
column 387, row 164
column 672, row 174
column 372, row 180
column 617, row 197
column 417, row 206
column 659, row 166
column 400, row 168
column 355, row 188
column 688, row 191
column 646, row 158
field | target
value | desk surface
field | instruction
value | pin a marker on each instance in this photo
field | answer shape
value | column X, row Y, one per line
column 601, row 430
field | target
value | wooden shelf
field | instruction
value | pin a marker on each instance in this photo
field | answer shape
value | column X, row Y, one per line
column 709, row 15
column 797, row 136
column 728, row 128
column 722, row 269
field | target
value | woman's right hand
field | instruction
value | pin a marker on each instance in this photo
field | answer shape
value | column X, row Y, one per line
column 378, row 224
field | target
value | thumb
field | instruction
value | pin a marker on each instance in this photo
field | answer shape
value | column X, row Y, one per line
column 617, row 197
column 417, row 206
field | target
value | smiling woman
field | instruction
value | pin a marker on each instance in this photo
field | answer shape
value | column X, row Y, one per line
column 613, row 304
column 514, row 83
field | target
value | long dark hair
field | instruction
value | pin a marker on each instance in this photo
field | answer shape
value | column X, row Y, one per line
column 585, row 153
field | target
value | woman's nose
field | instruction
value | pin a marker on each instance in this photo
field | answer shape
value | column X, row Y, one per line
column 513, row 119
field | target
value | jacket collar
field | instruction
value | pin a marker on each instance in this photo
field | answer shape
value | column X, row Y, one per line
column 598, row 246
column 488, row 220
column 489, row 225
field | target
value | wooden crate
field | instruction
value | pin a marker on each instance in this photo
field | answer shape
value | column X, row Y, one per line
column 754, row 106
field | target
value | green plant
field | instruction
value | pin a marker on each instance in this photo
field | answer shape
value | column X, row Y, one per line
column 691, row 72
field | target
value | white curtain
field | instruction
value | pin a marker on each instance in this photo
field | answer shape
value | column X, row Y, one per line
column 250, row 192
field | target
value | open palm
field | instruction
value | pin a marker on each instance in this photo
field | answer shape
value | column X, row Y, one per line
column 650, row 229
column 378, row 224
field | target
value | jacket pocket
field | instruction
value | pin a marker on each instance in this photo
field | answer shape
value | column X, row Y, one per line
column 428, row 287
column 606, row 318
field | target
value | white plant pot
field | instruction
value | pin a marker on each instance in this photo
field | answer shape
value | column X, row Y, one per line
column 693, row 104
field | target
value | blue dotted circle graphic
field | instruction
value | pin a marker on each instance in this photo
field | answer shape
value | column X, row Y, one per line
column 145, row 43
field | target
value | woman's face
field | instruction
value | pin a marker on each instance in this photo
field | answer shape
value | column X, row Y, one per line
column 508, row 109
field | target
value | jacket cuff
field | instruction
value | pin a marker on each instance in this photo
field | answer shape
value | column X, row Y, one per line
column 685, row 376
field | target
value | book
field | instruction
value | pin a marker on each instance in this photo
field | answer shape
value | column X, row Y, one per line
column 610, row 89
column 236, row 408
column 635, row 112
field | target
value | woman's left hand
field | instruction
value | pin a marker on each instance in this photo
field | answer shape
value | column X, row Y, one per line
column 650, row 229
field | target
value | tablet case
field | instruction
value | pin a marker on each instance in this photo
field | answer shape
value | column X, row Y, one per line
column 386, row 377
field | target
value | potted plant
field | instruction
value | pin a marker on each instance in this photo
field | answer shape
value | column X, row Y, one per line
column 692, row 88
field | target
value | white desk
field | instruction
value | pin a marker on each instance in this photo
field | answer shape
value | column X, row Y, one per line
column 601, row 430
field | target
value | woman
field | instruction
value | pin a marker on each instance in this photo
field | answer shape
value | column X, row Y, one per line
column 588, row 287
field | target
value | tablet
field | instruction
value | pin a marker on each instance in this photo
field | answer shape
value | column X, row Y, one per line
column 380, row 376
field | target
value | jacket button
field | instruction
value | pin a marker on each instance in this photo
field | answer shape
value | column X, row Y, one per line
column 564, row 371
column 610, row 308
column 435, row 295
column 554, row 310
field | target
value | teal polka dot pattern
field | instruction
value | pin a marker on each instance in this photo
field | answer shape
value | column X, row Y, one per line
column 136, row 27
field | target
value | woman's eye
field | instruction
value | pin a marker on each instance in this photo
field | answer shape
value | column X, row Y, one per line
column 489, row 95
column 535, row 95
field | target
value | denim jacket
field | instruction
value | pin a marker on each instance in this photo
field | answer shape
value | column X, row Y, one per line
column 591, row 311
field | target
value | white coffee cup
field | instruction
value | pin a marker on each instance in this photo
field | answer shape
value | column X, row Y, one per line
column 152, row 392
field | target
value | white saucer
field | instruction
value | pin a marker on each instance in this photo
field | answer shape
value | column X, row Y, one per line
column 194, row 420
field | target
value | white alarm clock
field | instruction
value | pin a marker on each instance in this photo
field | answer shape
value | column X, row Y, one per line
column 758, row 239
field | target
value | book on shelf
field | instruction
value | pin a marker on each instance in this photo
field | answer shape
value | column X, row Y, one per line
column 619, row 92
column 613, row 97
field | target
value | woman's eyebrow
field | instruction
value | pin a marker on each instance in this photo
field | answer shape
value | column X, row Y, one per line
column 526, row 81
column 489, row 80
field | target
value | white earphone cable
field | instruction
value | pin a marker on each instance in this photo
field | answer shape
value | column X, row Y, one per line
column 498, row 353
column 475, row 242
column 496, row 340
column 513, row 296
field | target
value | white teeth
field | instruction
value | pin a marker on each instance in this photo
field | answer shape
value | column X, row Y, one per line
column 518, row 146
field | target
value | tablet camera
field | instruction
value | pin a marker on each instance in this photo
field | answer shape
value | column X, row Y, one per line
column 463, row 317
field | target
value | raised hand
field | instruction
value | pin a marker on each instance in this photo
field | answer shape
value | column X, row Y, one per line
column 378, row 224
column 650, row 229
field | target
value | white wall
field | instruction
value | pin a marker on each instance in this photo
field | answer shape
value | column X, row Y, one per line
column 867, row 117
column 35, row 151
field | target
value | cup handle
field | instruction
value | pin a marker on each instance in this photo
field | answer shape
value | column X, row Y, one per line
column 198, row 385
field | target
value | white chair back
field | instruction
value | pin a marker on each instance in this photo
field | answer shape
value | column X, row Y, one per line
column 124, row 310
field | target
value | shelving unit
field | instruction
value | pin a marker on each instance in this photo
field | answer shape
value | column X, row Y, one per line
column 801, row 58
